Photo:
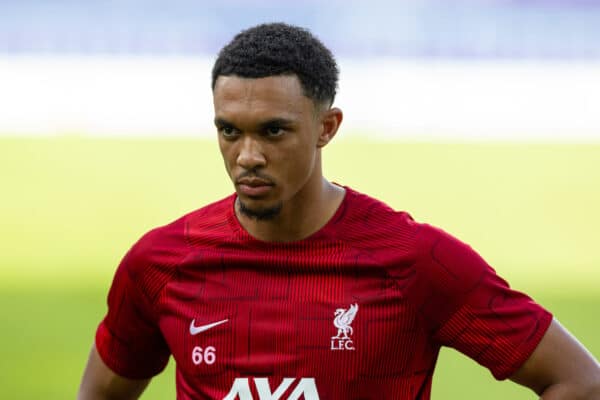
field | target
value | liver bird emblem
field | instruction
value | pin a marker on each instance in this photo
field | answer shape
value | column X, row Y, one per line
column 343, row 319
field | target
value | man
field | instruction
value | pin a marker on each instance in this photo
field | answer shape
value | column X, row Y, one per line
column 295, row 287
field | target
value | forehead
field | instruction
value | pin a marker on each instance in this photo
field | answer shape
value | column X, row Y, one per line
column 280, row 96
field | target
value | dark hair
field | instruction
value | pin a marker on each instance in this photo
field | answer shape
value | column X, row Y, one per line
column 281, row 49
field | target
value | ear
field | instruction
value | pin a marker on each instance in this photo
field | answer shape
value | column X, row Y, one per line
column 330, row 123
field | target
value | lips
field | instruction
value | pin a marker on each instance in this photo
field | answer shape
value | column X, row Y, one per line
column 254, row 187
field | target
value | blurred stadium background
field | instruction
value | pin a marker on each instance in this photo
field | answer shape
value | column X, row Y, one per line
column 477, row 116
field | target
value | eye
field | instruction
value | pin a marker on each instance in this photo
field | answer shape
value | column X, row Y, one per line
column 274, row 131
column 227, row 131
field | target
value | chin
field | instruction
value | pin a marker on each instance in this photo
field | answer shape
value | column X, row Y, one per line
column 259, row 212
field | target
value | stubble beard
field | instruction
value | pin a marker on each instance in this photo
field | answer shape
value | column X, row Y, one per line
column 261, row 214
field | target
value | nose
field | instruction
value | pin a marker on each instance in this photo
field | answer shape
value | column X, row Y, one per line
column 250, row 154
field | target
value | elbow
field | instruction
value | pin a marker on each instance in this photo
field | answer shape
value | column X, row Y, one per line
column 586, row 390
column 590, row 392
column 594, row 390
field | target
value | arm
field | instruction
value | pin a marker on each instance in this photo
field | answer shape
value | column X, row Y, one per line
column 560, row 368
column 100, row 383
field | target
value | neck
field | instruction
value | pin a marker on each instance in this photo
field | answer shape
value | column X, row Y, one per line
column 299, row 218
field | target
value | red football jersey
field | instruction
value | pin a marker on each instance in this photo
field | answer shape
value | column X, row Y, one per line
column 357, row 310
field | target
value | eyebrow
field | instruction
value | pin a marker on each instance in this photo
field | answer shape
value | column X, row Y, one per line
column 263, row 125
column 275, row 122
column 222, row 122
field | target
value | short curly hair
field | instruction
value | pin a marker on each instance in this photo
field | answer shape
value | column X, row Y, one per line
column 281, row 49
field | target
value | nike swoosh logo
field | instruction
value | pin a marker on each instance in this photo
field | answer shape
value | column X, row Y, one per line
column 194, row 330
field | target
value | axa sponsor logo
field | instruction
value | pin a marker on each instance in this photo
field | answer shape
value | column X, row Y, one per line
column 342, row 320
column 304, row 388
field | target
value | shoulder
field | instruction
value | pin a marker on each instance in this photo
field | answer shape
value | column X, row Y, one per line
column 439, row 260
column 371, row 216
column 446, row 263
column 156, row 255
column 165, row 243
column 374, row 221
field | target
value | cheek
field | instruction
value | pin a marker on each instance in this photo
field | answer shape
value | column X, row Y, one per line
column 227, row 154
column 300, row 166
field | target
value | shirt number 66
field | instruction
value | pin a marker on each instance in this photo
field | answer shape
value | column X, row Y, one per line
column 206, row 356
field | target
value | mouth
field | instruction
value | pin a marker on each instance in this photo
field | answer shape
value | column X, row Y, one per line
column 253, row 187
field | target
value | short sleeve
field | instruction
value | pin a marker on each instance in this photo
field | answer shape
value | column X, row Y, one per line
column 129, row 340
column 470, row 308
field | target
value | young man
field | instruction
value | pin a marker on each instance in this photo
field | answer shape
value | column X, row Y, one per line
column 295, row 287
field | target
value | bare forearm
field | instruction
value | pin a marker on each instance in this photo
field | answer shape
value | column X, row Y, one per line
column 572, row 392
column 100, row 383
column 117, row 391
column 561, row 368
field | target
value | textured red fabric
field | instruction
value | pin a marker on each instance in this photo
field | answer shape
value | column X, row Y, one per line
column 414, row 288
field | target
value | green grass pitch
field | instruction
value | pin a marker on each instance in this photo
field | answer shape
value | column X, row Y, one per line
column 70, row 207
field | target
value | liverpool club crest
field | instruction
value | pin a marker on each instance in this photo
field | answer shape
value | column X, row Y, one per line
column 342, row 320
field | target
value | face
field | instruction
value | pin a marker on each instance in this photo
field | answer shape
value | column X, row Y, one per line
column 269, row 135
